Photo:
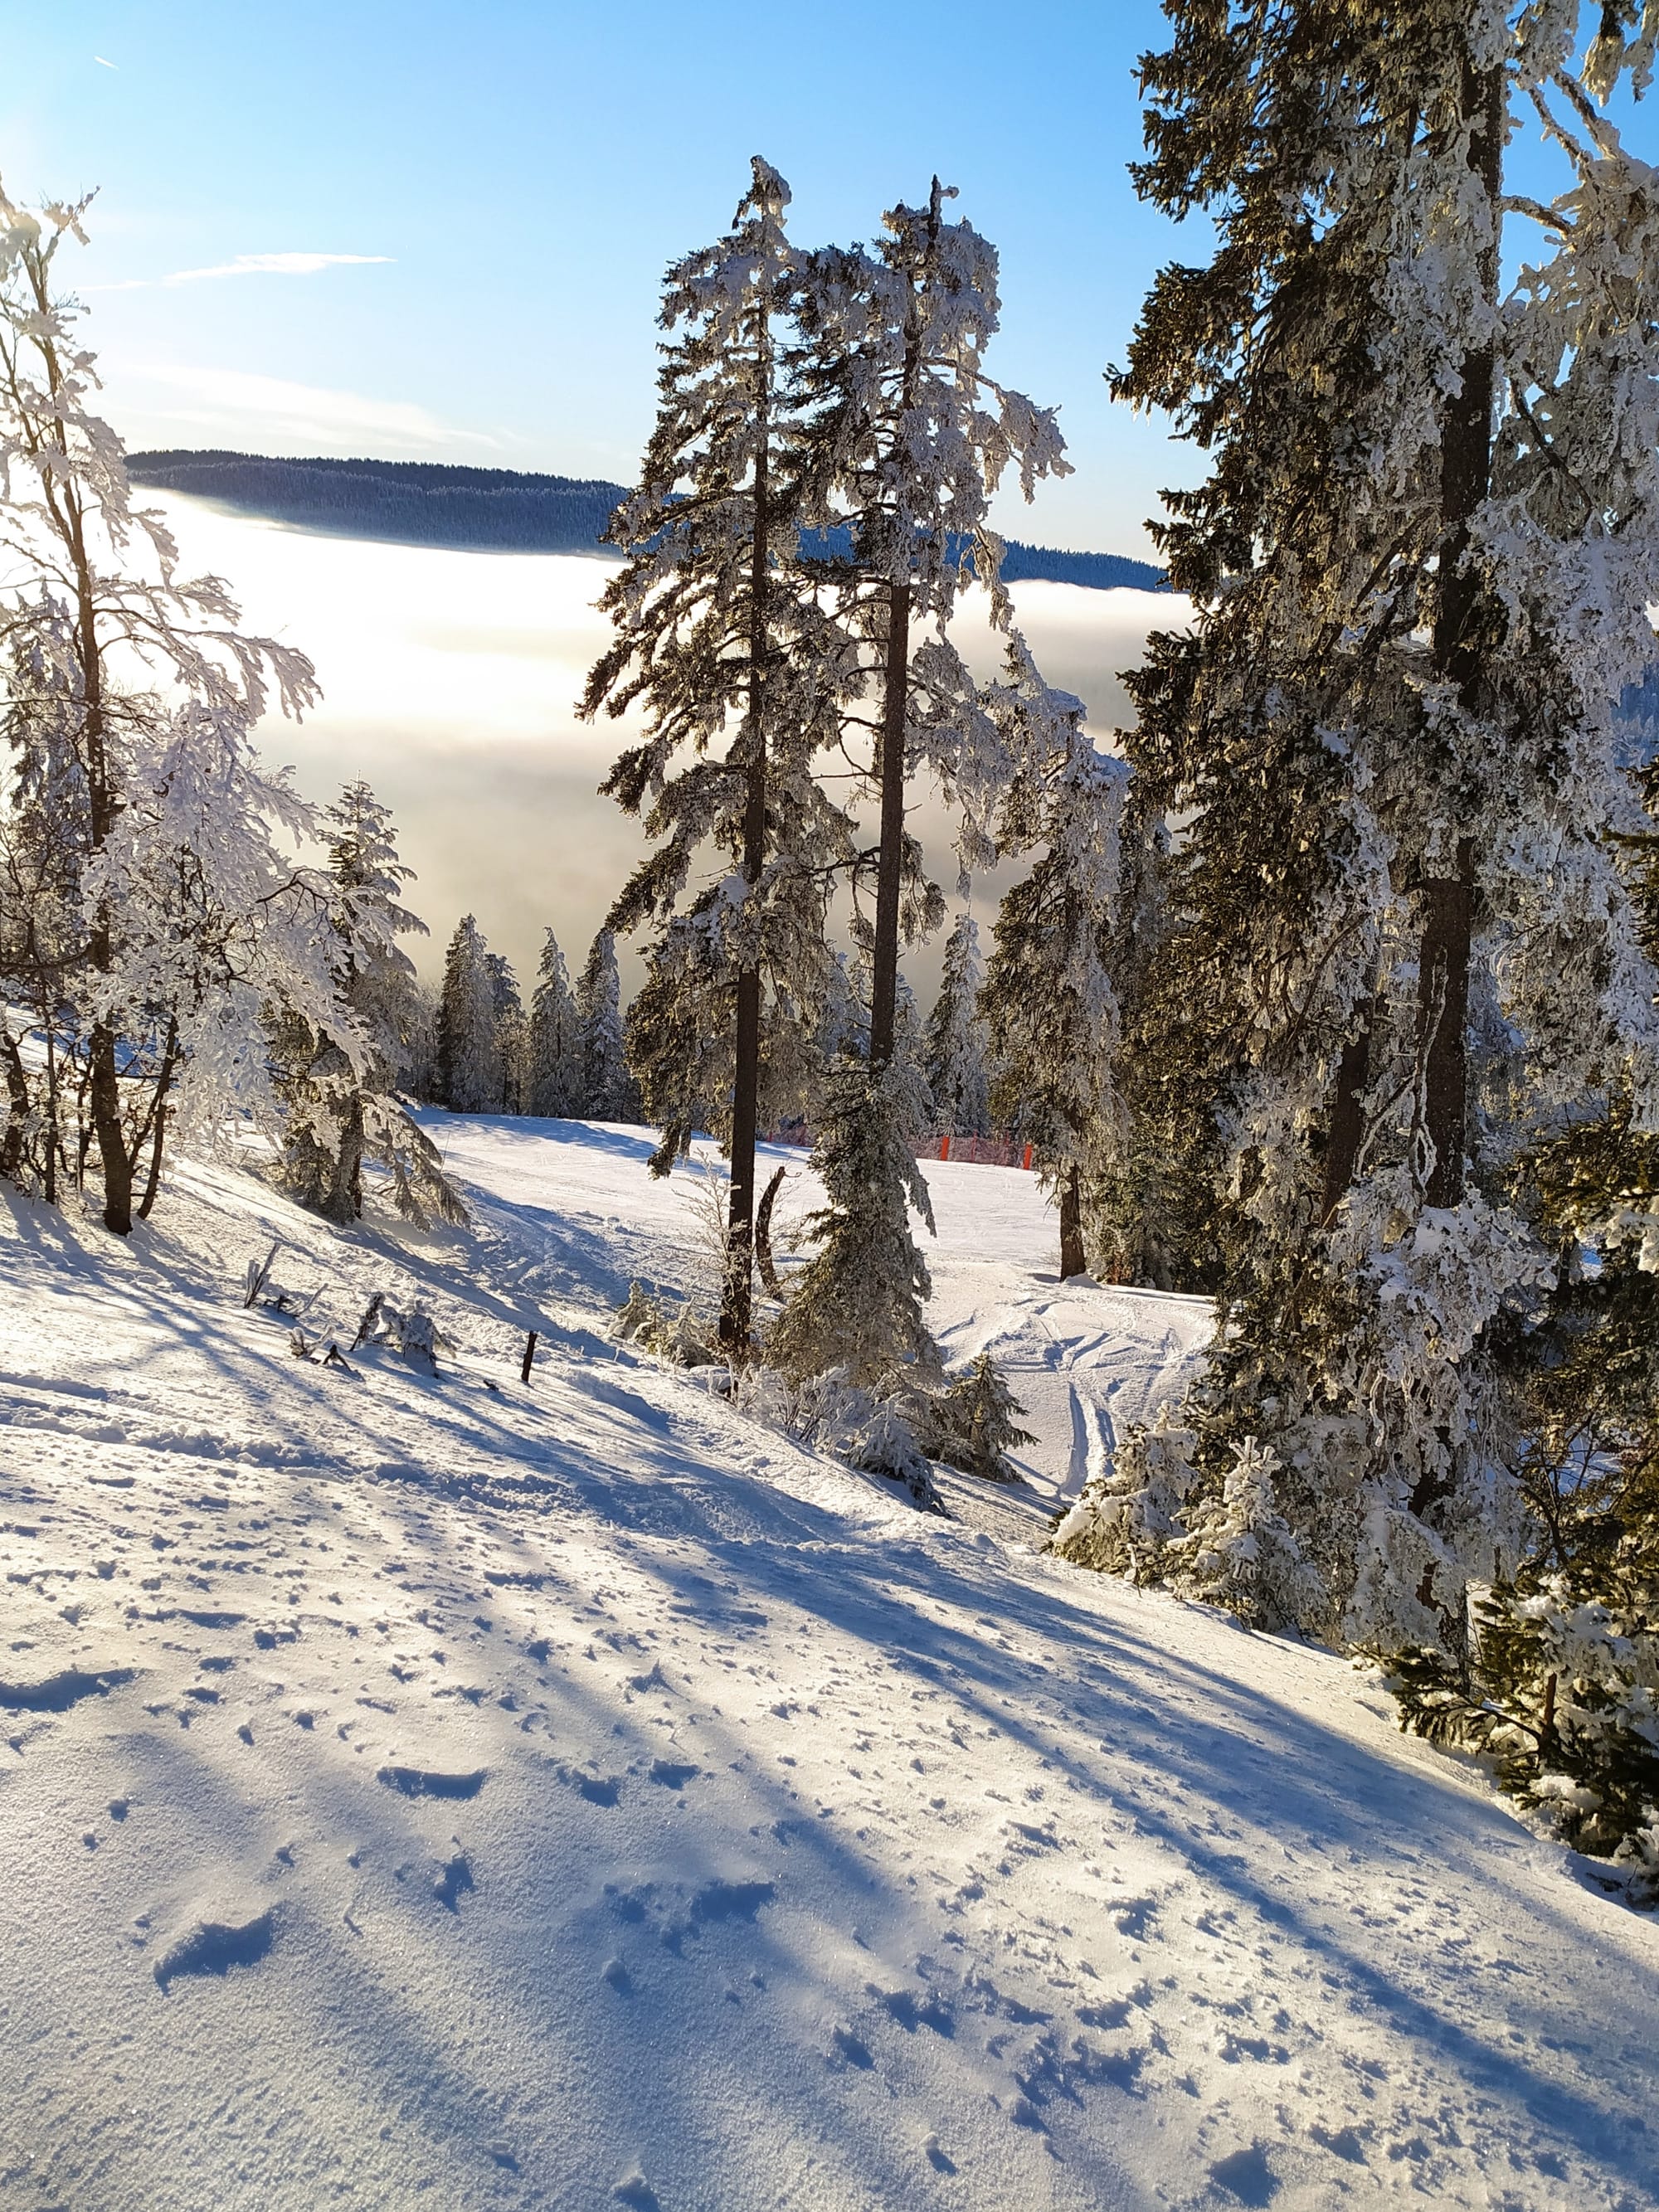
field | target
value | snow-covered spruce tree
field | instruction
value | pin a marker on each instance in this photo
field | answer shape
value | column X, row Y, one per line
column 1560, row 1687
column 721, row 638
column 1127, row 1518
column 469, row 1060
column 909, row 439
column 1421, row 564
column 340, row 1111
column 856, row 1305
column 1049, row 1001
column 973, row 1425
column 1149, row 1204
column 553, row 1046
column 606, row 1093
column 953, row 1051
column 511, row 1033
column 44, row 843
column 131, row 699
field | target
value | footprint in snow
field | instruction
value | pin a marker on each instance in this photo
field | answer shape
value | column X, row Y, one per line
column 671, row 1776
column 597, row 1788
column 453, row 1880
column 214, row 1947
column 1246, row 2176
column 57, row 1693
column 431, row 1782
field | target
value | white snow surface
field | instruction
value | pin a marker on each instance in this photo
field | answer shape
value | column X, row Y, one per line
column 456, row 1793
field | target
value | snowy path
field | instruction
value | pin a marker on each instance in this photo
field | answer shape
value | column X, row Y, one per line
column 434, row 1793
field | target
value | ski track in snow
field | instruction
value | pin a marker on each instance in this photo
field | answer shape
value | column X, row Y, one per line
column 424, row 1792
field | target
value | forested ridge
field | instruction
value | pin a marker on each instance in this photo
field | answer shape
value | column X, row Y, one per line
column 504, row 510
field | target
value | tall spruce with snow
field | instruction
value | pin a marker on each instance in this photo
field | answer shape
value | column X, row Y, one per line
column 909, row 439
column 340, row 1112
column 511, row 1032
column 721, row 639
column 1049, row 1001
column 468, row 1056
column 607, row 1094
column 953, row 1053
column 553, row 1050
column 159, row 917
column 1421, row 564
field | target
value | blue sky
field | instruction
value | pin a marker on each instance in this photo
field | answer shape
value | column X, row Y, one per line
column 528, row 169
column 515, row 174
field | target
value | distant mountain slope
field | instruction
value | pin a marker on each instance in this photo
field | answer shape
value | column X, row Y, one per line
column 499, row 510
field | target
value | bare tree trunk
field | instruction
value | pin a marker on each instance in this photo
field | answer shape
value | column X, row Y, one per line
column 884, row 958
column 17, row 1094
column 112, row 1152
column 1347, row 1130
column 763, row 1235
column 154, row 1128
column 1465, row 478
column 1072, row 1261
column 153, row 1178
column 738, row 1291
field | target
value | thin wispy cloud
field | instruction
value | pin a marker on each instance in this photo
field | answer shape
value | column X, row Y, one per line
column 101, row 62
column 267, row 411
column 252, row 264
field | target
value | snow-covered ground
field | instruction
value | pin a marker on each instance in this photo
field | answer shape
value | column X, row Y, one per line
column 454, row 1793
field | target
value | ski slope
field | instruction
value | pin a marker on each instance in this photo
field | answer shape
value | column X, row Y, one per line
column 456, row 1793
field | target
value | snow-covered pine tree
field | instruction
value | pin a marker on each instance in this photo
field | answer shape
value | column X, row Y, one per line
column 605, row 1089
column 909, row 439
column 339, row 1113
column 953, row 1053
column 369, row 881
column 469, row 1060
column 972, row 1423
column 1150, row 1206
column 1558, row 1686
column 133, row 697
column 722, row 639
column 44, row 844
column 1049, row 1001
column 1421, row 564
column 856, row 1305
column 511, row 1032
column 1128, row 1519
column 554, row 1049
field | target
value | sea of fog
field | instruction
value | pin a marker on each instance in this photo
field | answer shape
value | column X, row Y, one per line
column 450, row 682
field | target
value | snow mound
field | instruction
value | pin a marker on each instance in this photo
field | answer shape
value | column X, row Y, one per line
column 447, row 1789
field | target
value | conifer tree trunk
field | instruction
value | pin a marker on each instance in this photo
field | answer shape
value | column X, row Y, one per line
column 1072, row 1261
column 1465, row 478
column 895, row 684
column 1347, row 1130
column 883, row 978
column 736, row 1300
